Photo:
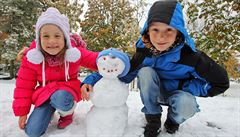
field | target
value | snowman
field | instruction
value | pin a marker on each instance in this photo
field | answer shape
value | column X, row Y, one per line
column 108, row 116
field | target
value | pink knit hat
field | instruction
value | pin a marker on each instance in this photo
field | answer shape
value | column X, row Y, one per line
column 35, row 56
column 53, row 16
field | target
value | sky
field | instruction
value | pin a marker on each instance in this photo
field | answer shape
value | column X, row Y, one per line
column 219, row 117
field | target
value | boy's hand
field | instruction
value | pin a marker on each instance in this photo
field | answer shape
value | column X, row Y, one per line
column 85, row 90
column 22, row 121
column 20, row 54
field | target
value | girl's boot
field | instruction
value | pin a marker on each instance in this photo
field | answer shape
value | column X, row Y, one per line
column 65, row 121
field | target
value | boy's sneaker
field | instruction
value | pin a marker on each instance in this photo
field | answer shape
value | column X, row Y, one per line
column 170, row 126
column 65, row 121
column 153, row 126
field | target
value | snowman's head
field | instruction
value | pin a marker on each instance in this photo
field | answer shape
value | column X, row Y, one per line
column 113, row 63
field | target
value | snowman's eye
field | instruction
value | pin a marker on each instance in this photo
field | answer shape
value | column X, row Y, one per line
column 116, row 70
column 103, row 68
column 111, row 70
column 104, row 58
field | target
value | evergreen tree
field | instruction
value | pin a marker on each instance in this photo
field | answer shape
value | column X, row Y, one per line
column 18, row 17
column 17, row 24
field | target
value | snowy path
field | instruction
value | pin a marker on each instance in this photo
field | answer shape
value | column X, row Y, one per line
column 219, row 117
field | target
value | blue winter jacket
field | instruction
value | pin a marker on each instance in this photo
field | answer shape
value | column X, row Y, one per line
column 183, row 67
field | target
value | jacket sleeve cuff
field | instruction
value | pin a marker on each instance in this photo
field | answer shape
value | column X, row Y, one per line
column 92, row 79
column 21, row 111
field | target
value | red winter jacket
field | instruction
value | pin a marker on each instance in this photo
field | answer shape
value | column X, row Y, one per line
column 29, row 89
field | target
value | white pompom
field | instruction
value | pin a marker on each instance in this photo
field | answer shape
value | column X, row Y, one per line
column 72, row 55
column 35, row 56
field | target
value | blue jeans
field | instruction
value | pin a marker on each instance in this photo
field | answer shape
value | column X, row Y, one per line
column 40, row 117
column 181, row 105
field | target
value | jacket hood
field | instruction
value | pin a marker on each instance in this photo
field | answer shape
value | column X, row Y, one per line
column 169, row 12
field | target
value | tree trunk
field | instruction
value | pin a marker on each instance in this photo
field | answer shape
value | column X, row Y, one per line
column 11, row 70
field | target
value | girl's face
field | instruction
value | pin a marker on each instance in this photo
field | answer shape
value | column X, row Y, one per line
column 52, row 39
column 162, row 36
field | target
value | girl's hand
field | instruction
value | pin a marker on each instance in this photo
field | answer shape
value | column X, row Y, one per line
column 85, row 90
column 22, row 121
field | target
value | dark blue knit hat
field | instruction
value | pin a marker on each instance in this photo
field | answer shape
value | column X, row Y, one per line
column 121, row 55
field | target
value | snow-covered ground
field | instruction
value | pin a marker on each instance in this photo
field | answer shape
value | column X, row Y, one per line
column 219, row 117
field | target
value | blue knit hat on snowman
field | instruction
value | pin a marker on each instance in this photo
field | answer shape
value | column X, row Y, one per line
column 118, row 54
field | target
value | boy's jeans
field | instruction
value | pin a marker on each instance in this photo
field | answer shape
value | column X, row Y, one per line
column 40, row 117
column 182, row 105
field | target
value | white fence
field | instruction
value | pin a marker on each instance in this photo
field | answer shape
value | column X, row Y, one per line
column 133, row 85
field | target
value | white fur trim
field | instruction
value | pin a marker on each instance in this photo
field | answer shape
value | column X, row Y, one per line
column 35, row 56
column 72, row 55
column 65, row 113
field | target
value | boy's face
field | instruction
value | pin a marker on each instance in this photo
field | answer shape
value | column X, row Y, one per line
column 52, row 39
column 162, row 36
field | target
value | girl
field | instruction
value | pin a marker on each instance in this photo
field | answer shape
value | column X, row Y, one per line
column 48, row 73
column 170, row 70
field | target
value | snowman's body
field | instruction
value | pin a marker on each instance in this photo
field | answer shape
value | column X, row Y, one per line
column 109, row 114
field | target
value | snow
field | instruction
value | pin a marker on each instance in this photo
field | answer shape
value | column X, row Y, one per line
column 219, row 117
column 109, row 114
